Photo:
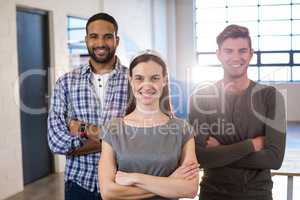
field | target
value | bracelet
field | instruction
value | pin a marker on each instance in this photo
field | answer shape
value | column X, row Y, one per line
column 83, row 130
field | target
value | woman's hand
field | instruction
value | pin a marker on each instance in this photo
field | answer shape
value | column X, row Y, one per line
column 125, row 179
column 187, row 172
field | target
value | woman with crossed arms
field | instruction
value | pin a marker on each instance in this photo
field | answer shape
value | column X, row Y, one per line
column 148, row 154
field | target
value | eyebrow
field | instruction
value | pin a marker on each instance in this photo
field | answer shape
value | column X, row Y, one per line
column 151, row 75
column 241, row 49
column 92, row 33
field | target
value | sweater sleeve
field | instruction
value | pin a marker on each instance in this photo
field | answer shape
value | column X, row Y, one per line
column 271, row 157
column 213, row 157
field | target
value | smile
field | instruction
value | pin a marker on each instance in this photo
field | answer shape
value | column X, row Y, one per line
column 147, row 94
column 237, row 65
column 100, row 51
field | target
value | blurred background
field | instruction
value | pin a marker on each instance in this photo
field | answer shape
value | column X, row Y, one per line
column 42, row 39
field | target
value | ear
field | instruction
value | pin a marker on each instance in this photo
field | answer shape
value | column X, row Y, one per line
column 85, row 39
column 251, row 53
column 117, row 40
column 130, row 82
column 218, row 53
column 129, row 79
column 165, row 80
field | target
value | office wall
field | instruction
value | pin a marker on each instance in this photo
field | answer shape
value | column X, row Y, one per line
column 135, row 25
column 144, row 25
column 147, row 24
column 11, row 177
column 185, row 45
column 292, row 98
column 10, row 142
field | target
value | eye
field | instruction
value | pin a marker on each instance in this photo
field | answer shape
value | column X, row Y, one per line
column 244, row 51
column 155, row 78
column 108, row 36
column 93, row 36
column 228, row 51
column 138, row 78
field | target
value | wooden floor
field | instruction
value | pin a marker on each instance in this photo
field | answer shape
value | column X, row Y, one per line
column 52, row 188
column 48, row 188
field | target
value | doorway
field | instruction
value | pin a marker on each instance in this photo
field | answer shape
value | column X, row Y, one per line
column 34, row 61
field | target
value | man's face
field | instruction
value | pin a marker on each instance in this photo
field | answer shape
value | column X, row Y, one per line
column 101, row 41
column 235, row 55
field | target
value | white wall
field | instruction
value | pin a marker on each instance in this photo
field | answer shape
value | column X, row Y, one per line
column 11, row 177
column 159, row 26
column 292, row 98
column 134, row 18
column 185, row 45
column 144, row 24
column 171, row 37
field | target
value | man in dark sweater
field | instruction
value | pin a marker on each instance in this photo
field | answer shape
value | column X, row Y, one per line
column 240, row 126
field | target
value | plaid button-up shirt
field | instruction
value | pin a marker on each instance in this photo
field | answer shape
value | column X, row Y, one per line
column 74, row 97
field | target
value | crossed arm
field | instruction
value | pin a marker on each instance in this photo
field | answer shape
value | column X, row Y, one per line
column 120, row 185
column 63, row 136
column 262, row 152
column 271, row 156
column 92, row 144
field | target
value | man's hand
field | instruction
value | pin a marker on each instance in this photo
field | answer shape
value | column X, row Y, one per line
column 187, row 172
column 212, row 142
column 92, row 131
column 258, row 143
column 92, row 144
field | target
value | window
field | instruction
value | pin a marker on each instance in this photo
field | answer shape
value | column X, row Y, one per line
column 76, row 44
column 274, row 28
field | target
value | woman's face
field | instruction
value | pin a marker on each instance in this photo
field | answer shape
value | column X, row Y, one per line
column 147, row 83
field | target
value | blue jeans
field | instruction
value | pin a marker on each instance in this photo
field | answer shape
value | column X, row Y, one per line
column 75, row 192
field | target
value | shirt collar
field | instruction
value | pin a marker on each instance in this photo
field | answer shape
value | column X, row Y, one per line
column 117, row 67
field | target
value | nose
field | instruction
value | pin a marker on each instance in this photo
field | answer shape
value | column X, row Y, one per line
column 100, row 41
column 236, row 56
column 147, row 84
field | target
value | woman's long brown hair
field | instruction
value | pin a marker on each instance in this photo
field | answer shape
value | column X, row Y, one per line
column 164, row 100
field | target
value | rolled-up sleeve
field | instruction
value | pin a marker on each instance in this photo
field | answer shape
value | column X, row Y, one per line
column 59, row 138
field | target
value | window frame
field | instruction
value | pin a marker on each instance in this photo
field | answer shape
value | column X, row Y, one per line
column 259, row 53
column 74, row 45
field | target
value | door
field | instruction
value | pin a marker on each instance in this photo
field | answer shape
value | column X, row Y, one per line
column 33, row 59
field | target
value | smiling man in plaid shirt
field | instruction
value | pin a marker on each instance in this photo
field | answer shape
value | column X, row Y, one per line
column 92, row 94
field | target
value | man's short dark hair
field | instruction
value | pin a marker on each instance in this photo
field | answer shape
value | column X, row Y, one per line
column 102, row 16
column 233, row 31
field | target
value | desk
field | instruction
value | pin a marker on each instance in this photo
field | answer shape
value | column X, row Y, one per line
column 293, row 139
column 290, row 184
